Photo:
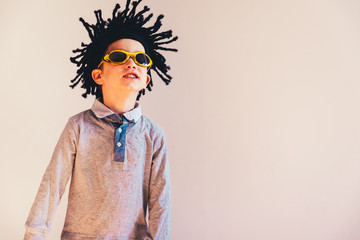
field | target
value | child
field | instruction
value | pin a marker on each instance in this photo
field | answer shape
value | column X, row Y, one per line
column 116, row 157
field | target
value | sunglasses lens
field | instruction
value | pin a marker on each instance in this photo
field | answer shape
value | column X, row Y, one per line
column 143, row 59
column 117, row 57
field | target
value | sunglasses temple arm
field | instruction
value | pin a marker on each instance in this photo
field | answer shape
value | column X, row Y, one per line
column 100, row 64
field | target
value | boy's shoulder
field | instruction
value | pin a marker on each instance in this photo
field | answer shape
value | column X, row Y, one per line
column 153, row 126
column 79, row 117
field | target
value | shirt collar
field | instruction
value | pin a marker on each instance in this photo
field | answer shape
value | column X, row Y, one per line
column 102, row 111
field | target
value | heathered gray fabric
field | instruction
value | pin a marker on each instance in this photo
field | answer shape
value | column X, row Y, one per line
column 107, row 199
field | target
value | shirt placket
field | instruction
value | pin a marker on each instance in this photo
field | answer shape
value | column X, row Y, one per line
column 120, row 141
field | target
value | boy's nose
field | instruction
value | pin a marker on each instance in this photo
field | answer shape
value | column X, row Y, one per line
column 130, row 63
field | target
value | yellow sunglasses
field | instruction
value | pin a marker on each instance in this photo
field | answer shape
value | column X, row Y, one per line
column 118, row 57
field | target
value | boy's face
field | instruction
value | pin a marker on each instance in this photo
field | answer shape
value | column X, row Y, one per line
column 128, row 77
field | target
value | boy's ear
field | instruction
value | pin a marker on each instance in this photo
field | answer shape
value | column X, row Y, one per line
column 148, row 79
column 96, row 75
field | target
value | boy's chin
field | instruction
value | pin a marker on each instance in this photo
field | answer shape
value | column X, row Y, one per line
column 131, row 90
column 133, row 86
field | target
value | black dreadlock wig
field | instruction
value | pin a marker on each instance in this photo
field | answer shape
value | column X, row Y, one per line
column 124, row 24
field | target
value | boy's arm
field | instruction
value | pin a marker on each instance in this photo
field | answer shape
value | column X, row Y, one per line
column 52, row 185
column 159, row 198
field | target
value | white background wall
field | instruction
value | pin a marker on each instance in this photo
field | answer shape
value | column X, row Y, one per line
column 262, row 117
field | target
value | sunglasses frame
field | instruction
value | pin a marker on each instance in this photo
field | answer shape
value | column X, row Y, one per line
column 128, row 55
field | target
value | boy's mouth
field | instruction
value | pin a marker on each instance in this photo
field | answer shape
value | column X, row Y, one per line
column 131, row 75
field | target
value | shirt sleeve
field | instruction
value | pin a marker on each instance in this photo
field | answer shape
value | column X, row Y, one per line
column 159, row 198
column 53, row 185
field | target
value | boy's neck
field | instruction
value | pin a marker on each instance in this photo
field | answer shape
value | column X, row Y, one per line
column 120, row 104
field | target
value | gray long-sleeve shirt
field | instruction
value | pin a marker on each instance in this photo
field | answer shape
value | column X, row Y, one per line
column 118, row 167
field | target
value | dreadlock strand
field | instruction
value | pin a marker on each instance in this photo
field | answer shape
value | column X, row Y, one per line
column 150, row 84
column 133, row 10
column 167, row 49
column 140, row 16
column 148, row 18
column 164, row 69
column 81, row 53
column 92, row 90
column 162, row 35
column 141, row 92
column 73, row 60
column 98, row 17
column 77, row 50
column 100, row 21
column 117, row 7
column 141, row 13
column 87, row 26
column 167, row 42
column 127, row 8
column 75, row 81
column 157, row 24
column 166, row 78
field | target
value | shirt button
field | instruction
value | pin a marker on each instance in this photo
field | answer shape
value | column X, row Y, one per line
column 119, row 144
column 120, row 130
